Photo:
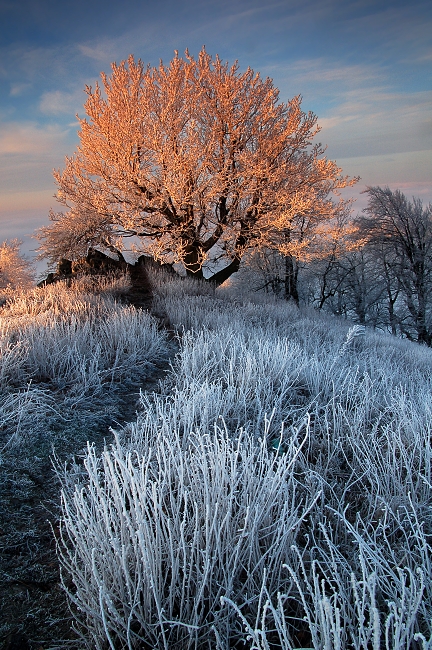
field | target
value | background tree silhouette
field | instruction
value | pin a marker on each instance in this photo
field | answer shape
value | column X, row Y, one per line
column 400, row 230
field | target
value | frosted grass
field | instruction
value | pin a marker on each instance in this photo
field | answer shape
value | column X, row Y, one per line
column 158, row 534
column 68, row 345
column 354, row 571
column 73, row 340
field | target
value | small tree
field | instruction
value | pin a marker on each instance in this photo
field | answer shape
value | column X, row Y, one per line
column 15, row 271
column 199, row 161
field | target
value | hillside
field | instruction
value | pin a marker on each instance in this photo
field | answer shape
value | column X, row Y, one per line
column 274, row 489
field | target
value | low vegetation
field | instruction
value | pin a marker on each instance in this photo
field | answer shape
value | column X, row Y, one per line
column 275, row 493
column 72, row 359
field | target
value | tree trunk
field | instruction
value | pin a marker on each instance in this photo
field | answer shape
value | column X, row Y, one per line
column 424, row 335
column 219, row 277
column 291, row 279
column 192, row 259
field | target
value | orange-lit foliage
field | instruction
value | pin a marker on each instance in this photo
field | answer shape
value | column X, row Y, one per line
column 201, row 162
column 15, row 271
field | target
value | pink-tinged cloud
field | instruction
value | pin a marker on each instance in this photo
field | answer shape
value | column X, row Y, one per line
column 29, row 138
column 14, row 202
column 410, row 172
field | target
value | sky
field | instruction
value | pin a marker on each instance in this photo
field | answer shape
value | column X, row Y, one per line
column 364, row 67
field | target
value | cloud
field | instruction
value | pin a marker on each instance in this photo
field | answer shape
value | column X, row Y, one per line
column 31, row 63
column 375, row 122
column 29, row 138
column 409, row 172
column 58, row 102
column 100, row 52
column 323, row 71
column 13, row 202
column 142, row 38
column 19, row 88
column 410, row 167
column 28, row 154
column 360, row 109
column 46, row 69
column 370, row 126
column 324, row 78
column 21, row 216
column 425, row 57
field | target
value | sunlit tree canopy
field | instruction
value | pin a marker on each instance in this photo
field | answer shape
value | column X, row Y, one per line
column 199, row 161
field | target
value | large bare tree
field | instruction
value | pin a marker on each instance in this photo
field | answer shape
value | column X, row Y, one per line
column 198, row 160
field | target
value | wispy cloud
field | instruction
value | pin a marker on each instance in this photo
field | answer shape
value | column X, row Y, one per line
column 30, row 138
column 100, row 52
column 373, row 121
column 58, row 102
column 19, row 88
column 324, row 71
column 34, row 63
column 426, row 56
column 360, row 109
column 324, row 77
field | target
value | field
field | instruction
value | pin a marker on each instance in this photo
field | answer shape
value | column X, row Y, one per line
column 273, row 491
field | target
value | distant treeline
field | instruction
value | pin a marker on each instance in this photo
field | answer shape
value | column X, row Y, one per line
column 384, row 281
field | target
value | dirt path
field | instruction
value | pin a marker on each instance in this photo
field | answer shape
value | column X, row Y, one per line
column 140, row 293
column 140, row 296
column 33, row 609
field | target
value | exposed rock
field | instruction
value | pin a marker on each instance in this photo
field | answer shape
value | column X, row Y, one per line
column 95, row 262
column 64, row 267
column 149, row 262
column 98, row 263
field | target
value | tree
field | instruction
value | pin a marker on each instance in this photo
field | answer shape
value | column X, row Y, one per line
column 386, row 261
column 15, row 271
column 362, row 287
column 199, row 161
column 284, row 272
column 401, row 231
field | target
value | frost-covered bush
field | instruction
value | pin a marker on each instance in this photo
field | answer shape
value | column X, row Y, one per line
column 15, row 271
column 68, row 339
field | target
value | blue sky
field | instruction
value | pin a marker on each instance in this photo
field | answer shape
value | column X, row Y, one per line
column 364, row 67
